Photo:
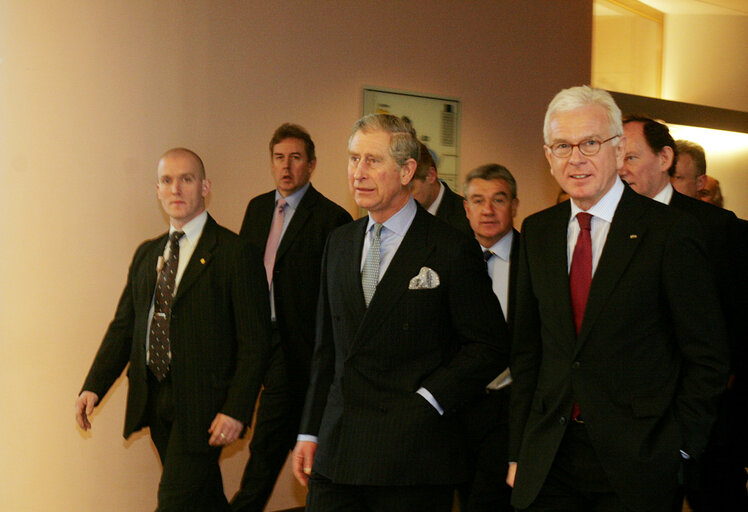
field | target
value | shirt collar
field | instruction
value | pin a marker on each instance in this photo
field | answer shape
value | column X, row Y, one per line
column 605, row 208
column 503, row 248
column 438, row 201
column 665, row 195
column 294, row 199
column 193, row 228
column 401, row 221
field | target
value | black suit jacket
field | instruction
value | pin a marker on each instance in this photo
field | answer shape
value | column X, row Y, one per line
column 723, row 244
column 296, row 270
column 372, row 427
column 648, row 364
column 452, row 211
column 219, row 335
column 512, row 291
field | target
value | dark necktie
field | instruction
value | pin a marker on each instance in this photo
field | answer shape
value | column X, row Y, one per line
column 159, row 350
column 487, row 256
column 580, row 277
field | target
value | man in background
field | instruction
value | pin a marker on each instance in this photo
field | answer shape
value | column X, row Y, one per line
column 435, row 195
column 490, row 205
column 290, row 226
column 689, row 176
column 192, row 324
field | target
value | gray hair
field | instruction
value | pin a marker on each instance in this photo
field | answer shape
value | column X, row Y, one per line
column 403, row 141
column 581, row 96
column 695, row 151
column 491, row 172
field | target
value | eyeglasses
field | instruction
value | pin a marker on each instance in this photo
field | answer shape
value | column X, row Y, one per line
column 587, row 147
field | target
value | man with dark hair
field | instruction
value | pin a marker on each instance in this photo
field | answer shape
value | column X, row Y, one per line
column 712, row 192
column 648, row 152
column 192, row 324
column 618, row 353
column 290, row 226
column 407, row 331
column 435, row 195
column 490, row 205
column 690, row 169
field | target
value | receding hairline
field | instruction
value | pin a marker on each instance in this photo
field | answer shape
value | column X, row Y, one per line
column 185, row 153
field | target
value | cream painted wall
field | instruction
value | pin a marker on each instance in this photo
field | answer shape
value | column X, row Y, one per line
column 705, row 61
column 91, row 93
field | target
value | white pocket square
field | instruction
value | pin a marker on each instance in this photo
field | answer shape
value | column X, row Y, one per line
column 426, row 279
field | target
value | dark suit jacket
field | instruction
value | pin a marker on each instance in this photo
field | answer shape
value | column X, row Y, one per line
column 722, row 242
column 648, row 364
column 512, row 291
column 372, row 427
column 219, row 334
column 452, row 211
column 296, row 270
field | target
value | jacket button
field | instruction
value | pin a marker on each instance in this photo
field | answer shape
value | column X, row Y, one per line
column 562, row 420
column 576, row 365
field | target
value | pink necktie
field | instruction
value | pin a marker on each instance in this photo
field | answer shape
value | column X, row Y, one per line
column 271, row 248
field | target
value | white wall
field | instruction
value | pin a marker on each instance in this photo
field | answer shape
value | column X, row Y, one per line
column 92, row 92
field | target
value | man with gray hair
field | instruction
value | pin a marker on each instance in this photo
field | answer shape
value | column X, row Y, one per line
column 490, row 205
column 690, row 169
column 407, row 332
column 619, row 350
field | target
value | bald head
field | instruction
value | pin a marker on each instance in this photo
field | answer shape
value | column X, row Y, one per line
column 187, row 154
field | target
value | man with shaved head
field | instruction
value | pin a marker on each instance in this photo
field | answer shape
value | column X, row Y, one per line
column 192, row 323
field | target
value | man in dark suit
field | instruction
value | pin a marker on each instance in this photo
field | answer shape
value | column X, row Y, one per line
column 192, row 324
column 650, row 161
column 293, row 279
column 435, row 195
column 407, row 331
column 490, row 205
column 619, row 352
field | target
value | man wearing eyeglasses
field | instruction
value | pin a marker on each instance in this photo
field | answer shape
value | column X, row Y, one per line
column 615, row 371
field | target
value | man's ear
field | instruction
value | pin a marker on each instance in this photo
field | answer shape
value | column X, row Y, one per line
column 407, row 171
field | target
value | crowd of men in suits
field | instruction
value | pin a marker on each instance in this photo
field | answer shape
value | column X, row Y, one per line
column 594, row 361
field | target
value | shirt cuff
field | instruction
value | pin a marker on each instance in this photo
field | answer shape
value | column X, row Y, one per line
column 430, row 399
column 306, row 437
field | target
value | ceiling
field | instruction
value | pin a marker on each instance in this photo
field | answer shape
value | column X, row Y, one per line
column 724, row 7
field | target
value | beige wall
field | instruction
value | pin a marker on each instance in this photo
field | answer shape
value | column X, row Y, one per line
column 92, row 92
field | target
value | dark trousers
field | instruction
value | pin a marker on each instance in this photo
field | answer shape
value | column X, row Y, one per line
column 274, row 434
column 577, row 482
column 485, row 423
column 190, row 481
column 326, row 496
column 716, row 482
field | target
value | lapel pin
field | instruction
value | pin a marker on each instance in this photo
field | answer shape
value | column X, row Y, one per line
column 633, row 236
column 202, row 260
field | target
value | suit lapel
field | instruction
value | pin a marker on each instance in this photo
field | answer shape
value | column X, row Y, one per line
column 300, row 217
column 405, row 264
column 512, row 286
column 555, row 265
column 624, row 236
column 200, row 257
column 151, row 273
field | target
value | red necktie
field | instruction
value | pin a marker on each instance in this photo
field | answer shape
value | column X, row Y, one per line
column 580, row 277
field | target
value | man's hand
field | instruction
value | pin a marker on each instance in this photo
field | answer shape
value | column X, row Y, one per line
column 224, row 430
column 511, row 473
column 303, row 459
column 84, row 407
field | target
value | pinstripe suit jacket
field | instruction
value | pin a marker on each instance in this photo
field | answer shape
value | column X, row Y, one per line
column 219, row 335
column 368, row 363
